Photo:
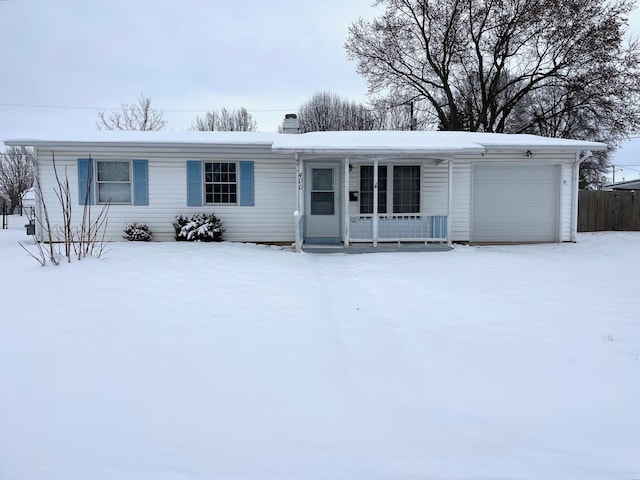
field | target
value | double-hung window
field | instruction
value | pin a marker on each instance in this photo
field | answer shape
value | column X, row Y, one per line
column 220, row 182
column 113, row 182
column 398, row 186
column 406, row 189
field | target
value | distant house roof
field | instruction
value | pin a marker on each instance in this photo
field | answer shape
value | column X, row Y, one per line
column 344, row 142
column 628, row 185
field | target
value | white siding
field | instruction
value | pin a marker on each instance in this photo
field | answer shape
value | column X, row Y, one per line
column 461, row 208
column 566, row 198
column 435, row 188
column 270, row 220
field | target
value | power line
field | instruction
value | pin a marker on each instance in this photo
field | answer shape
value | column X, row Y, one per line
column 76, row 107
column 621, row 168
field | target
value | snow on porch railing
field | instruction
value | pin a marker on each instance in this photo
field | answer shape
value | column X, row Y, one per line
column 399, row 227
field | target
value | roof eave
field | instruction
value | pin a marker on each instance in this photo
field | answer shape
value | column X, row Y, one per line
column 75, row 144
column 376, row 151
column 549, row 148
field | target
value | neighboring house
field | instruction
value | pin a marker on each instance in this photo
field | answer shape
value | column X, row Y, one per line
column 325, row 187
column 5, row 203
column 628, row 185
column 29, row 199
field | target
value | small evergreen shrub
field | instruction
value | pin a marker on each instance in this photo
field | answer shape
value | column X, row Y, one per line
column 137, row 232
column 201, row 227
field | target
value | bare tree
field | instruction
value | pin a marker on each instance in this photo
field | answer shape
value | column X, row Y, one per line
column 134, row 116
column 474, row 61
column 208, row 123
column 16, row 175
column 226, row 120
column 326, row 111
column 558, row 68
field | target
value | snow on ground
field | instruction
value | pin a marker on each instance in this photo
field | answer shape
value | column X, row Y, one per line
column 177, row 361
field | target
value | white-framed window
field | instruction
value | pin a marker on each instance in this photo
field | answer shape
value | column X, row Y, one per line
column 406, row 189
column 398, row 186
column 113, row 181
column 221, row 182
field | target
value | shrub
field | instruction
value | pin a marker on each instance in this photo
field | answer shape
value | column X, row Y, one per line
column 136, row 232
column 203, row 227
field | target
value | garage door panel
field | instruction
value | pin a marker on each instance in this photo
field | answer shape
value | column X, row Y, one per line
column 515, row 204
column 524, row 233
column 498, row 176
column 505, row 214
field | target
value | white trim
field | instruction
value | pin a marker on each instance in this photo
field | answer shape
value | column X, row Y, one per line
column 345, row 204
column 558, row 192
column 374, row 226
column 97, row 182
column 574, row 193
column 449, row 203
column 205, row 183
column 38, row 195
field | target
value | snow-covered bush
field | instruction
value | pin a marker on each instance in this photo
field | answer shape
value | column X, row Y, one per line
column 137, row 232
column 203, row 227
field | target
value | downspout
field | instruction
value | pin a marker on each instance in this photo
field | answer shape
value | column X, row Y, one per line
column 574, row 196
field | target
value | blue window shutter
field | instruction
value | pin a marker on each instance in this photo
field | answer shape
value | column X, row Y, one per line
column 194, row 183
column 246, row 185
column 85, row 181
column 140, row 182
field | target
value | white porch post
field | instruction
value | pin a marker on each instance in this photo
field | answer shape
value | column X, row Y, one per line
column 374, row 223
column 345, row 203
column 299, row 184
column 450, row 203
column 299, row 218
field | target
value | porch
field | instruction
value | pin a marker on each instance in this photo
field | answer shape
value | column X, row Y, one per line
column 343, row 193
column 359, row 248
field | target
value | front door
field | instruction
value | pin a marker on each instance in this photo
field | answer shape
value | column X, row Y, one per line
column 323, row 204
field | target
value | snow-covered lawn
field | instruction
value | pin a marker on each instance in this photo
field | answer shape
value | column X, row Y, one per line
column 180, row 361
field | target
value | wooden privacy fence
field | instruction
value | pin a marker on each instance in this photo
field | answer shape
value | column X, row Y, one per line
column 608, row 210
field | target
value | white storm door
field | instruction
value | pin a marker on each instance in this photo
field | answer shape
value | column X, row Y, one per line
column 323, row 203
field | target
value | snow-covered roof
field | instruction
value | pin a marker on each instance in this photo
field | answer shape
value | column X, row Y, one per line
column 117, row 137
column 421, row 142
column 628, row 185
column 352, row 142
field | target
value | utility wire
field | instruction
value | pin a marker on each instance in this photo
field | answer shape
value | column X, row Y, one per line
column 76, row 107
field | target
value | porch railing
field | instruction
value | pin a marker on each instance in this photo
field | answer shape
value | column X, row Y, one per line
column 399, row 228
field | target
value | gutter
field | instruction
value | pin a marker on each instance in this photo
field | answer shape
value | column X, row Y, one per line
column 133, row 143
column 368, row 152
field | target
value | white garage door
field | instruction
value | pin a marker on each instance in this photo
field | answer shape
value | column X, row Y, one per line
column 515, row 203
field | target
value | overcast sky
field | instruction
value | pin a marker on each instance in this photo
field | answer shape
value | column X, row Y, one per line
column 265, row 55
column 189, row 56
